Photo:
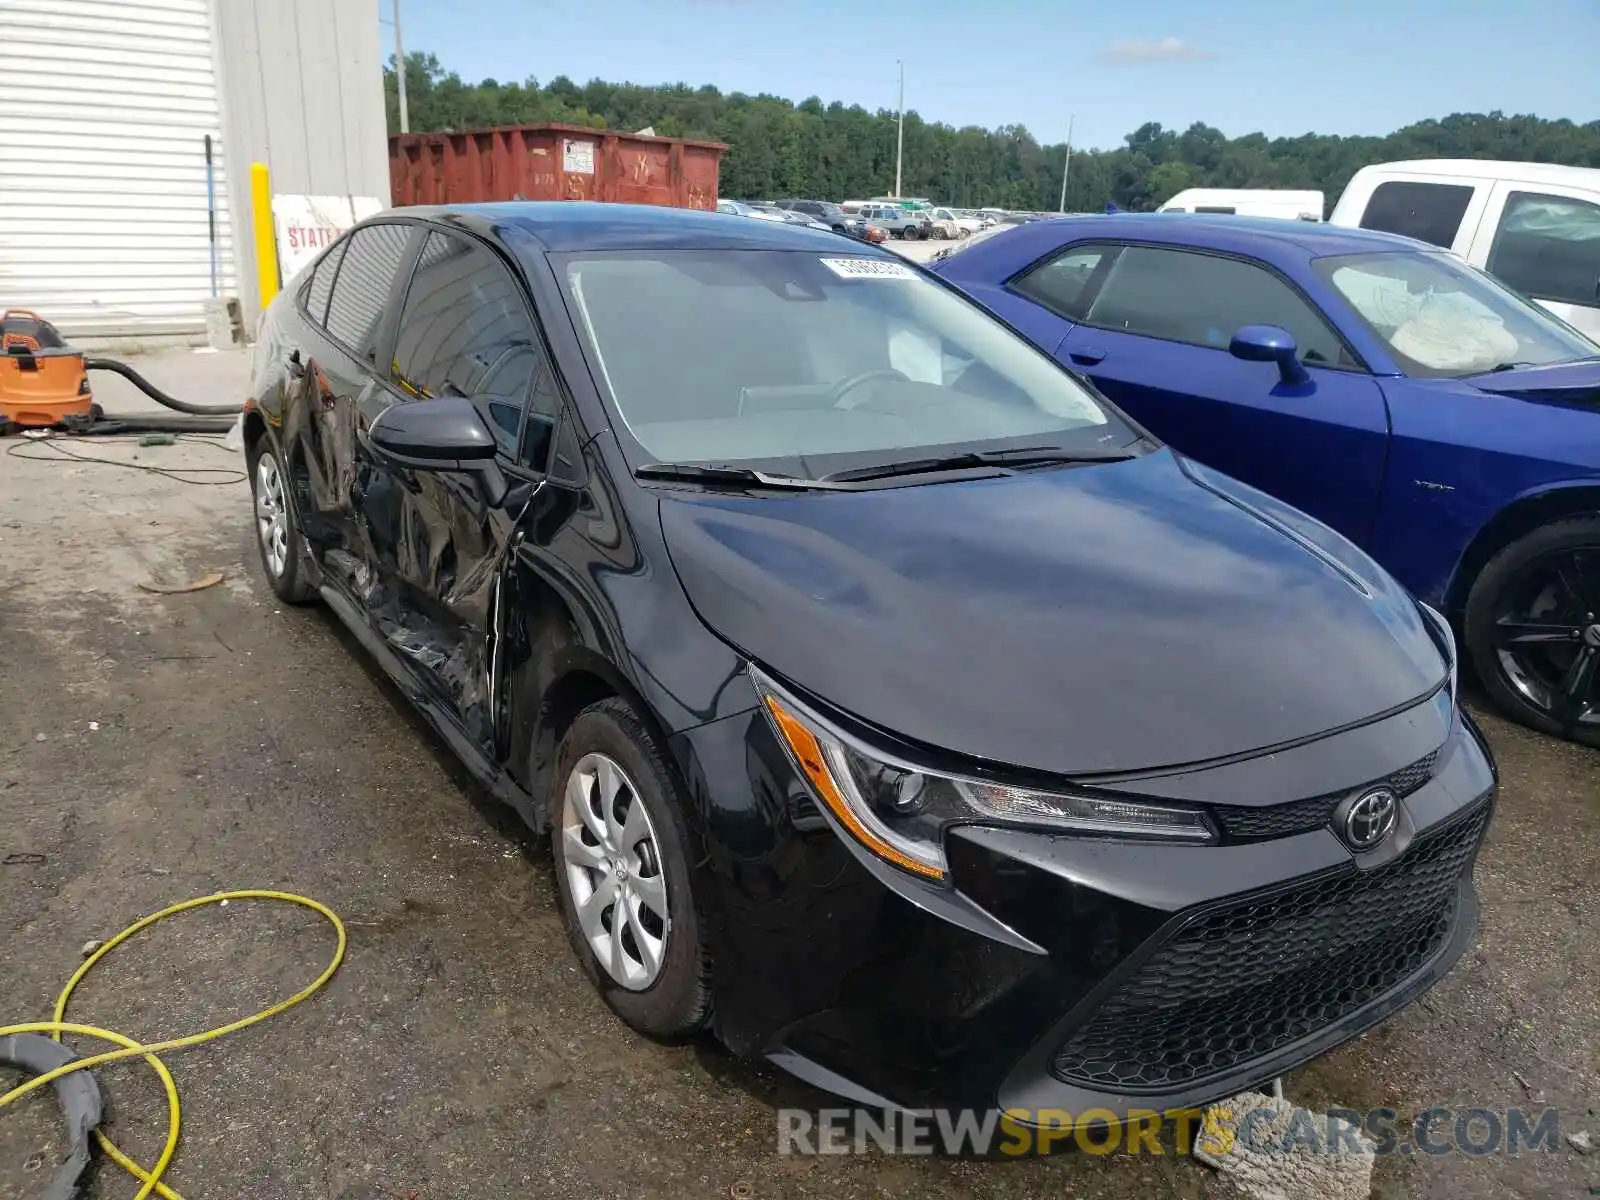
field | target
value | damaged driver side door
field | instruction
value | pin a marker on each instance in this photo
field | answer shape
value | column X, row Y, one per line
column 437, row 545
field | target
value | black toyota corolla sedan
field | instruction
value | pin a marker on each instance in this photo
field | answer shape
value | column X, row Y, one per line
column 896, row 708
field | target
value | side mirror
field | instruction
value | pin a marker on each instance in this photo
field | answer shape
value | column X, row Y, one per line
column 1269, row 343
column 442, row 434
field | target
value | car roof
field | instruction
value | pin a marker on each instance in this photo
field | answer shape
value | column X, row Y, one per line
column 1261, row 236
column 1483, row 168
column 562, row 225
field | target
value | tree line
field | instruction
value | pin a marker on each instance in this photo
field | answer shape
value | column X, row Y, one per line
column 836, row 151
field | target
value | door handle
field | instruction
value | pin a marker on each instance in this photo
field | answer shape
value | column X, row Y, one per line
column 1087, row 355
column 295, row 367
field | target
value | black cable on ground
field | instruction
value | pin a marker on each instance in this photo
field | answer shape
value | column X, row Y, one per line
column 179, row 474
column 155, row 393
column 154, row 423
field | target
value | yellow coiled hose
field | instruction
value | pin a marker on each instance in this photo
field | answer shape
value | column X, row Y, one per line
column 58, row 1025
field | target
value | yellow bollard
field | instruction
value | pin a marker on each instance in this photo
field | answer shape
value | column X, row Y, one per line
column 266, row 245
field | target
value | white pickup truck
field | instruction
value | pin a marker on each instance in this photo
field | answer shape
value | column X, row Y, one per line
column 1534, row 226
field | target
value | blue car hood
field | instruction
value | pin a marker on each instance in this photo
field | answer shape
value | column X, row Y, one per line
column 1075, row 620
column 1572, row 382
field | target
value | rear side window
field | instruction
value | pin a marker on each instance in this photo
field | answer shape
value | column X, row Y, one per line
column 465, row 331
column 1429, row 212
column 320, row 286
column 1060, row 284
column 355, row 311
column 1548, row 247
column 1204, row 299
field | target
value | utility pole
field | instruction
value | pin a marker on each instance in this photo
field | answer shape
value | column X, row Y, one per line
column 1067, row 165
column 400, row 71
column 900, row 135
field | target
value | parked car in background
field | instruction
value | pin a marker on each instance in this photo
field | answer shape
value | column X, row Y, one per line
column 973, row 221
column 1249, row 202
column 1420, row 408
column 895, row 220
column 1533, row 226
column 1076, row 776
column 942, row 223
column 790, row 216
column 828, row 213
column 983, row 235
column 863, row 230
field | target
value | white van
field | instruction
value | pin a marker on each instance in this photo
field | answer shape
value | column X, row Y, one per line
column 1248, row 202
column 1534, row 226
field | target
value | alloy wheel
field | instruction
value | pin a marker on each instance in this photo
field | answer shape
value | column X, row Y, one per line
column 612, row 859
column 272, row 521
column 1547, row 635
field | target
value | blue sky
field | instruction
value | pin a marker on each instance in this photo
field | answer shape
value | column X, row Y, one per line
column 1280, row 66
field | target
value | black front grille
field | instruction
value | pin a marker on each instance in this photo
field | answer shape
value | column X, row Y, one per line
column 1243, row 824
column 1238, row 982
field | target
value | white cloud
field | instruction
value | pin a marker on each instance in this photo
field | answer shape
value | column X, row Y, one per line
column 1137, row 50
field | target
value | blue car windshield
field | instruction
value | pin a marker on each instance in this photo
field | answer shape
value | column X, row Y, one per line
column 788, row 360
column 1444, row 319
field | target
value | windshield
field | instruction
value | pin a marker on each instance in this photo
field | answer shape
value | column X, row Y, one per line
column 1442, row 318
column 803, row 363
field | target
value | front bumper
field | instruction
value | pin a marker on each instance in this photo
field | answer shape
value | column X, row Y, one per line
column 1071, row 973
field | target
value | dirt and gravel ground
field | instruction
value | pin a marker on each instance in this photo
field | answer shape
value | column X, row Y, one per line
column 154, row 748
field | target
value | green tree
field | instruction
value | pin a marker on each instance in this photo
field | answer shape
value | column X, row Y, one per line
column 837, row 151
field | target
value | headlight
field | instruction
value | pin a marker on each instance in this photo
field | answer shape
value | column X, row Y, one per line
column 1445, row 638
column 899, row 811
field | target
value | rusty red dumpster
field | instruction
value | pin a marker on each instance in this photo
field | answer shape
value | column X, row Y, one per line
column 553, row 162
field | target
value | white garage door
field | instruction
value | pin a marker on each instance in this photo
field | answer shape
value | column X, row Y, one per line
column 104, row 110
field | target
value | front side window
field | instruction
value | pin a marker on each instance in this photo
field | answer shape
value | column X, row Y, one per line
column 1060, row 284
column 1548, row 247
column 1429, row 212
column 465, row 331
column 365, row 279
column 812, row 361
column 1442, row 318
column 1204, row 299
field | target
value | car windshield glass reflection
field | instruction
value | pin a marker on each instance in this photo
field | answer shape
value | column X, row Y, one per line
column 799, row 358
column 1442, row 318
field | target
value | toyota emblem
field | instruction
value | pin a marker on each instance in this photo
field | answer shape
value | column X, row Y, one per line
column 1370, row 819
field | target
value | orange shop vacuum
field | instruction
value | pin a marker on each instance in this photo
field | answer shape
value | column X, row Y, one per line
column 43, row 381
column 44, row 384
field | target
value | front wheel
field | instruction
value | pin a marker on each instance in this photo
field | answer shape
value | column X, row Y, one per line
column 1533, row 628
column 277, row 532
column 622, row 858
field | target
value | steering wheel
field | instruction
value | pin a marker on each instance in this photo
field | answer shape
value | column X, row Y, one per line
column 845, row 386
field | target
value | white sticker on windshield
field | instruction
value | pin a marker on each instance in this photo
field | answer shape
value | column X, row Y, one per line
column 868, row 268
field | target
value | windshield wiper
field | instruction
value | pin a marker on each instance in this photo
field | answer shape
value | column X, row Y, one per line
column 1014, row 456
column 743, row 476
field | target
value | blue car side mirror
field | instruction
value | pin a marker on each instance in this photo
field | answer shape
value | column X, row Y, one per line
column 1269, row 343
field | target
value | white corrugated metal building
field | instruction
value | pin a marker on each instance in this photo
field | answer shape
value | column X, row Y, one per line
column 106, row 207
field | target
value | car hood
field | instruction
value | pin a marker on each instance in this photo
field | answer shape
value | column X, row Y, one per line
column 1571, row 382
column 1073, row 620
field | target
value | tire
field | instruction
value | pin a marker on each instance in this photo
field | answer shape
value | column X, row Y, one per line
column 673, row 1000
column 1533, row 629
column 278, row 540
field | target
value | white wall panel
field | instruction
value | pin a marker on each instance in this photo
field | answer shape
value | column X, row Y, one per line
column 106, row 105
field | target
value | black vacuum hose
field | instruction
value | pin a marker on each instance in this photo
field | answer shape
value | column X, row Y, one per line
column 156, row 394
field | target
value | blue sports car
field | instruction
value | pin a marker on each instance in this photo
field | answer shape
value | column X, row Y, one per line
column 1430, row 415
